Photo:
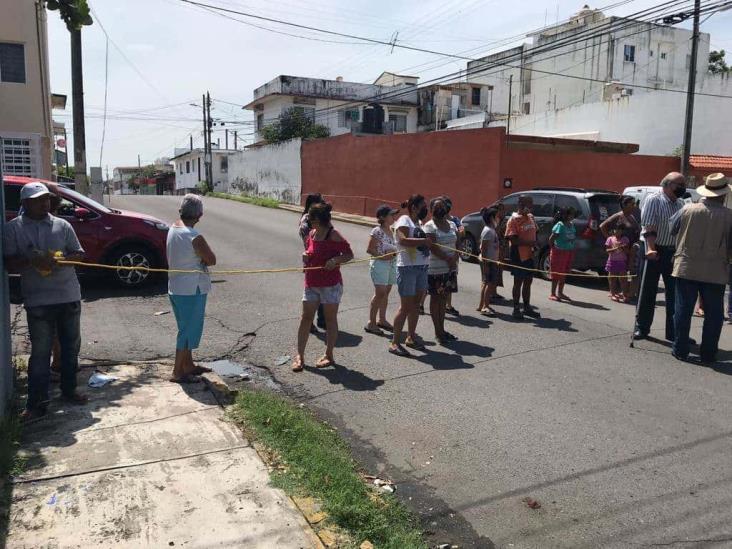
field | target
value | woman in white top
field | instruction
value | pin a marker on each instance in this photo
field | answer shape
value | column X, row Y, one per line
column 442, row 271
column 187, row 250
column 382, row 268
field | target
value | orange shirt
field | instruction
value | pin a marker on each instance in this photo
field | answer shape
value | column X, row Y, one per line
column 525, row 228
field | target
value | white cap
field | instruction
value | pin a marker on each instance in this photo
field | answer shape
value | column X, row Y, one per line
column 33, row 190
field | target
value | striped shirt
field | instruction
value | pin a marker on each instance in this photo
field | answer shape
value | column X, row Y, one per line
column 657, row 211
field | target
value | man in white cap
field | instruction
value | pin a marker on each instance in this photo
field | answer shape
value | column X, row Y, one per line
column 703, row 234
column 51, row 293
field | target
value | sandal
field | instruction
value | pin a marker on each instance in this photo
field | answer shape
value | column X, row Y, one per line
column 553, row 298
column 385, row 326
column 297, row 365
column 325, row 362
column 375, row 331
column 414, row 344
column 489, row 312
column 398, row 350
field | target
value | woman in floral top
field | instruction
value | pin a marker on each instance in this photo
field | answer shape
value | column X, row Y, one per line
column 382, row 268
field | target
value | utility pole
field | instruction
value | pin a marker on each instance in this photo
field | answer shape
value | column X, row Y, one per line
column 205, row 140
column 689, row 122
column 510, row 91
column 77, row 91
column 209, row 156
column 236, row 146
column 226, row 141
column 191, row 142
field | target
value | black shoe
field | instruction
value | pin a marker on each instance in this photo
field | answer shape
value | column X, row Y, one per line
column 517, row 314
column 452, row 311
column 637, row 335
column 682, row 358
column 707, row 361
column 531, row 312
column 321, row 323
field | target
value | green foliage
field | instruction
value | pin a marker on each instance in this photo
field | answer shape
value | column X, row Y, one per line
column 202, row 187
column 75, row 13
column 291, row 124
column 717, row 64
column 678, row 151
column 263, row 201
column 317, row 462
column 63, row 172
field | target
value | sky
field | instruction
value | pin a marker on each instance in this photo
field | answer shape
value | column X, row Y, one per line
column 164, row 54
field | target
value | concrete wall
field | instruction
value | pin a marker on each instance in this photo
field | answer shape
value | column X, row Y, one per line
column 358, row 173
column 655, row 121
column 271, row 170
column 25, row 109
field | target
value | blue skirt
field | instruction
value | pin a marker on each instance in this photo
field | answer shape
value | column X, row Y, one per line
column 189, row 311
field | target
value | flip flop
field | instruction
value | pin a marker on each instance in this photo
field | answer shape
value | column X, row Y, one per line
column 400, row 351
column 297, row 365
column 325, row 362
column 375, row 331
column 553, row 298
column 387, row 327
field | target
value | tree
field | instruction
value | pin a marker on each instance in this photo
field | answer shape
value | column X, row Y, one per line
column 717, row 64
column 75, row 13
column 291, row 124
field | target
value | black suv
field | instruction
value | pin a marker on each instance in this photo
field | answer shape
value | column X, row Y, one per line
column 593, row 207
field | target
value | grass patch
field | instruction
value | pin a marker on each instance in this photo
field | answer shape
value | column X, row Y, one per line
column 11, row 464
column 317, row 462
column 256, row 200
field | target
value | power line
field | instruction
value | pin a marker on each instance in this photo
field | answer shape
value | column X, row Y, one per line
column 106, row 80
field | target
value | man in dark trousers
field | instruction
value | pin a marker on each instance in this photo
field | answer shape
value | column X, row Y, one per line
column 50, row 291
column 703, row 249
column 657, row 249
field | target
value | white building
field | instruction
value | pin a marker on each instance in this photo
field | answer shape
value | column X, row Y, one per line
column 456, row 103
column 640, row 56
column 343, row 107
column 190, row 169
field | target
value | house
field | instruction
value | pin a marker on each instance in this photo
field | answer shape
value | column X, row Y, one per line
column 190, row 169
column 343, row 107
column 121, row 177
column 440, row 104
column 26, row 127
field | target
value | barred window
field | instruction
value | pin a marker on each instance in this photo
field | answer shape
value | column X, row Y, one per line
column 18, row 157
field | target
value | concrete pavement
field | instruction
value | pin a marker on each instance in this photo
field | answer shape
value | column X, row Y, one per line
column 622, row 447
column 147, row 463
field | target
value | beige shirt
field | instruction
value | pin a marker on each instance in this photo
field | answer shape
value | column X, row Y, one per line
column 703, row 242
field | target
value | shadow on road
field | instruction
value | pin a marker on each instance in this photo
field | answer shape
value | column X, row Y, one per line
column 97, row 288
column 345, row 339
column 347, row 378
column 444, row 361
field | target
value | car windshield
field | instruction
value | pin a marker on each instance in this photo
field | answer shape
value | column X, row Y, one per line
column 604, row 205
column 83, row 200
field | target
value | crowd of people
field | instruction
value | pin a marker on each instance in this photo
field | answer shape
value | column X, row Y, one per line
column 689, row 246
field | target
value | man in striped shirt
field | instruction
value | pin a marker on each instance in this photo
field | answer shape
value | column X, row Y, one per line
column 658, row 247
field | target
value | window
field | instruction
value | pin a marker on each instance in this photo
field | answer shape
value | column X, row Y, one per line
column 18, row 157
column 308, row 112
column 629, row 53
column 398, row 123
column 475, row 96
column 12, row 63
column 180, row 167
column 224, row 165
column 650, row 53
column 543, row 205
column 663, row 55
column 347, row 118
column 568, row 201
column 527, row 108
column 526, row 84
column 188, row 166
column 260, row 122
column 511, row 203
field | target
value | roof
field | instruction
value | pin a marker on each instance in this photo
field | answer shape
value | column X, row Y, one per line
column 366, row 100
column 721, row 163
column 200, row 151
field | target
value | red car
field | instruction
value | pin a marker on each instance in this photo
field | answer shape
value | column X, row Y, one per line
column 109, row 236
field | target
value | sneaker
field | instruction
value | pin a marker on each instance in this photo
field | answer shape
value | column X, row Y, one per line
column 531, row 312
column 517, row 314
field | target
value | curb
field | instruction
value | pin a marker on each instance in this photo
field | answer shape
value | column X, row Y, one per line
column 364, row 221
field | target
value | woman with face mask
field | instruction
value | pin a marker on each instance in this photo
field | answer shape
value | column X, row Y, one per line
column 442, row 271
column 412, row 260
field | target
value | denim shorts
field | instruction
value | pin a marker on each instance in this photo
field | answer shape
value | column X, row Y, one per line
column 383, row 273
column 411, row 279
column 325, row 295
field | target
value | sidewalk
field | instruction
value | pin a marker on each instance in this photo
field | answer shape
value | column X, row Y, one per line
column 147, row 463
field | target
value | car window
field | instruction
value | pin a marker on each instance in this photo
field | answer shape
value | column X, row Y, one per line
column 12, row 198
column 84, row 201
column 543, row 205
column 569, row 201
column 603, row 206
column 65, row 208
column 511, row 203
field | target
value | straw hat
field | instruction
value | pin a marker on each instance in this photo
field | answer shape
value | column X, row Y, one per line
column 715, row 184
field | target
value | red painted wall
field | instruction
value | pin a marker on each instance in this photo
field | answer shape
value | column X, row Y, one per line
column 358, row 173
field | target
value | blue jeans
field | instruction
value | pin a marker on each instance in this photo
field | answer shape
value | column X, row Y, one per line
column 44, row 323
column 651, row 272
column 686, row 295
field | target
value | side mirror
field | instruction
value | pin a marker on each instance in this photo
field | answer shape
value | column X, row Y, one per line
column 82, row 213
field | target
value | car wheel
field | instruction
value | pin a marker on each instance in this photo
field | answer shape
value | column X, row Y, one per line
column 468, row 248
column 132, row 256
column 545, row 265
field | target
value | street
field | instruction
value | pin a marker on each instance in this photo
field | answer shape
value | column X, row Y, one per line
column 622, row 447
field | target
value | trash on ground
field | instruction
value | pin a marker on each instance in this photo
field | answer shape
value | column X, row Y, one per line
column 51, row 500
column 98, row 380
column 160, row 313
column 384, row 485
column 531, row 503
column 282, row 360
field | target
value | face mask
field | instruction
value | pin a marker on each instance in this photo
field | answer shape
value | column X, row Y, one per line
column 439, row 213
column 679, row 192
column 422, row 213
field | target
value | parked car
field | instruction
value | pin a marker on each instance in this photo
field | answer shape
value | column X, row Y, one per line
column 109, row 236
column 593, row 207
column 641, row 192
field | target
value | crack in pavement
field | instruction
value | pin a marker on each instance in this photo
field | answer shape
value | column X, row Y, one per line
column 688, row 541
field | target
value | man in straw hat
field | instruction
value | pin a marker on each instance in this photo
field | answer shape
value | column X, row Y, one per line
column 703, row 234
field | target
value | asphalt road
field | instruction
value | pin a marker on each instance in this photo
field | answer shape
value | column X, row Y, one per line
column 622, row 447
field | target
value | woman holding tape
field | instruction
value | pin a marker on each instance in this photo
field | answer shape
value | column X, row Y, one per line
column 187, row 250
column 325, row 251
